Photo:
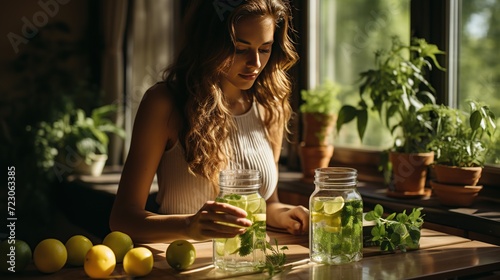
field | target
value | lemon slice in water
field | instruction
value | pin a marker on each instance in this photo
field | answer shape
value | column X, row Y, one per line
column 334, row 205
column 232, row 245
column 253, row 203
column 259, row 217
column 219, row 246
column 318, row 205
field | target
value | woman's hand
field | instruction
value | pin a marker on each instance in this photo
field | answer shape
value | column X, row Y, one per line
column 295, row 220
column 206, row 223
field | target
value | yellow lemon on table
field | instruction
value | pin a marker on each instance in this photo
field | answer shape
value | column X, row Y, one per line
column 77, row 247
column 99, row 262
column 50, row 255
column 119, row 242
column 15, row 255
column 180, row 254
column 138, row 262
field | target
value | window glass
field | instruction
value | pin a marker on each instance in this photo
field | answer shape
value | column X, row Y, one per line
column 479, row 57
column 349, row 33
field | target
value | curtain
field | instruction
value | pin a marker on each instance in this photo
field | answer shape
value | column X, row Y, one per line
column 150, row 49
column 114, row 18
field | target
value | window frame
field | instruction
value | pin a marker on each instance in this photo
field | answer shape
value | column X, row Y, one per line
column 437, row 21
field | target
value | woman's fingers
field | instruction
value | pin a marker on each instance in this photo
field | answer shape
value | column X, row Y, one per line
column 220, row 220
column 296, row 220
column 224, row 207
column 224, row 214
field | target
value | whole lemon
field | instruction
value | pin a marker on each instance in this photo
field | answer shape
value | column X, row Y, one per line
column 77, row 247
column 50, row 255
column 99, row 262
column 180, row 254
column 15, row 255
column 119, row 242
column 138, row 262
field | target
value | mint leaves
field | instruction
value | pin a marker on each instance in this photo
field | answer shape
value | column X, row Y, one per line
column 247, row 238
column 275, row 260
column 396, row 231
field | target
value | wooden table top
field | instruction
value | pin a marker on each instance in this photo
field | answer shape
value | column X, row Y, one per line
column 440, row 256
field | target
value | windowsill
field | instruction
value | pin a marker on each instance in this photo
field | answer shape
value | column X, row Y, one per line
column 366, row 162
column 480, row 221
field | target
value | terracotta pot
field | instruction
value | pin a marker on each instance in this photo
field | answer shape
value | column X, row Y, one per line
column 453, row 195
column 317, row 128
column 463, row 176
column 313, row 157
column 410, row 171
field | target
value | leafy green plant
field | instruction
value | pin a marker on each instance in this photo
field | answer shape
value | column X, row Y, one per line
column 398, row 231
column 75, row 131
column 319, row 111
column 463, row 138
column 322, row 99
column 396, row 90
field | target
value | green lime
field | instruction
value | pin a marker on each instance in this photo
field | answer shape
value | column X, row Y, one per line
column 232, row 245
column 253, row 203
column 77, row 247
column 180, row 254
column 334, row 205
column 14, row 260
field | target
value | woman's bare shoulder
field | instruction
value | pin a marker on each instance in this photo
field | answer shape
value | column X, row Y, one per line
column 158, row 106
column 158, row 95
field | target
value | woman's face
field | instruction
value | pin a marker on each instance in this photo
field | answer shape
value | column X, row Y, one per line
column 254, row 40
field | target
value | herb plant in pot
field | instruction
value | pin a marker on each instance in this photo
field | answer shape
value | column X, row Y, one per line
column 462, row 143
column 319, row 114
column 77, row 142
column 396, row 90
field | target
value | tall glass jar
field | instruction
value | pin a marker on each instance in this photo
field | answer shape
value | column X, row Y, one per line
column 245, row 252
column 336, row 221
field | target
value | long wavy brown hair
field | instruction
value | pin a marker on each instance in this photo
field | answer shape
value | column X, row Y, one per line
column 206, row 53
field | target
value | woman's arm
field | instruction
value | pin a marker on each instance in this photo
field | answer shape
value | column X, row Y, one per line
column 155, row 128
column 295, row 219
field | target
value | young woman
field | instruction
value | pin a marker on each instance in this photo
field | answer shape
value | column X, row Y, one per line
column 222, row 105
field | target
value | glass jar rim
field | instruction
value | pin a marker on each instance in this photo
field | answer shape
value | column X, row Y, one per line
column 336, row 176
column 240, row 178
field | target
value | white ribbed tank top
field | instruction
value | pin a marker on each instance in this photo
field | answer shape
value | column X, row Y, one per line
column 180, row 192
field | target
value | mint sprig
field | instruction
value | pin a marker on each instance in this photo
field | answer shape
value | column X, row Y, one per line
column 276, row 259
column 246, row 240
column 396, row 231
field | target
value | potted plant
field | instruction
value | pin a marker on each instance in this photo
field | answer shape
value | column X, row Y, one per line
column 462, row 143
column 319, row 114
column 77, row 141
column 396, row 90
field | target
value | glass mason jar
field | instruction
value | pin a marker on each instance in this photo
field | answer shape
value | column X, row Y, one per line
column 245, row 252
column 336, row 221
